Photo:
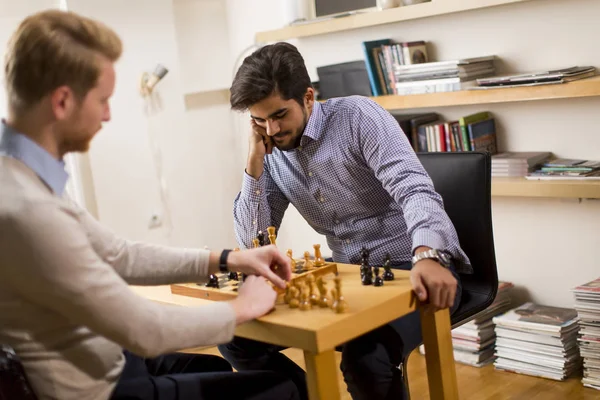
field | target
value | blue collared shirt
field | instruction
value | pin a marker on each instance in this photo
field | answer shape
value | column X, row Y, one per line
column 50, row 170
column 355, row 179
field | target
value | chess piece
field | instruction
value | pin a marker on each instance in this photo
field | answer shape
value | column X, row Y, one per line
column 236, row 249
column 378, row 279
column 261, row 238
column 305, row 298
column 323, row 301
column 233, row 276
column 314, row 291
column 364, row 256
column 213, row 281
column 319, row 261
column 308, row 264
column 287, row 295
column 272, row 236
column 255, row 243
column 289, row 254
column 294, row 302
column 367, row 277
column 339, row 305
column 388, row 275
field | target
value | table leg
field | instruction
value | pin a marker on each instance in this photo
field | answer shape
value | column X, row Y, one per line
column 321, row 375
column 439, row 356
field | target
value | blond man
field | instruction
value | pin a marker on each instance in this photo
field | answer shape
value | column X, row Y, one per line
column 66, row 308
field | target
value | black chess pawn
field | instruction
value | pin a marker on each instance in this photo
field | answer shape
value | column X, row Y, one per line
column 367, row 278
column 388, row 275
column 261, row 238
column 213, row 281
column 233, row 276
column 378, row 279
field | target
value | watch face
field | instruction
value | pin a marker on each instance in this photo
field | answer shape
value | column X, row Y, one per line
column 444, row 257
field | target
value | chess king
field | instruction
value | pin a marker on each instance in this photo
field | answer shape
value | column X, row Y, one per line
column 348, row 168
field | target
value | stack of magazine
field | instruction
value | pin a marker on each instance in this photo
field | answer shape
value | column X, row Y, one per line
column 473, row 342
column 587, row 304
column 538, row 340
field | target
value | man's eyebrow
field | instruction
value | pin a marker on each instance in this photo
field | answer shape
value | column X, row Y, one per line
column 272, row 114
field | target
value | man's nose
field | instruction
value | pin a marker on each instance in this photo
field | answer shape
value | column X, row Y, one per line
column 272, row 128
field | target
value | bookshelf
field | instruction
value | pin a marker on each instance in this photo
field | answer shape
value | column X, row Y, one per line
column 374, row 18
column 582, row 88
column 521, row 187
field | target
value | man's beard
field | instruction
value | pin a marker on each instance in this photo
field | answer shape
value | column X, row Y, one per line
column 297, row 135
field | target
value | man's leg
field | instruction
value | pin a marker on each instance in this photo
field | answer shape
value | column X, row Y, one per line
column 370, row 362
column 250, row 355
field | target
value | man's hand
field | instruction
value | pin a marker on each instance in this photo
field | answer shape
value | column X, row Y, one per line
column 265, row 261
column 259, row 145
column 433, row 282
column 255, row 298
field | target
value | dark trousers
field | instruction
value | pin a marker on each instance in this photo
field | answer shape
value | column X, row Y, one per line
column 370, row 363
column 181, row 376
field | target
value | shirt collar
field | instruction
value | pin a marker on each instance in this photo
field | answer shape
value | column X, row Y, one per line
column 315, row 121
column 50, row 170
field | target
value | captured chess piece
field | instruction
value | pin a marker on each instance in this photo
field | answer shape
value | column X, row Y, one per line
column 339, row 304
column 314, row 290
column 272, row 237
column 367, row 276
column 308, row 264
column 213, row 281
column 294, row 294
column 319, row 261
column 323, row 301
column 388, row 275
column 261, row 238
column 305, row 297
column 378, row 279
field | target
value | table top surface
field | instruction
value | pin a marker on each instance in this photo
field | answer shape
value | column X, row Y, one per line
column 319, row 329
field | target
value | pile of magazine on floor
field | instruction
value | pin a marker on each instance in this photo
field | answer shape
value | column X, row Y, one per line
column 587, row 304
column 473, row 342
column 538, row 340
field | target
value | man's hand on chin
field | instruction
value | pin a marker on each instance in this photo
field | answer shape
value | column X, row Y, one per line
column 433, row 283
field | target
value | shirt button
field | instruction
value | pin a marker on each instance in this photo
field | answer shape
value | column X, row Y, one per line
column 322, row 199
column 299, row 147
column 257, row 192
column 310, row 174
column 337, row 221
column 254, row 222
column 347, row 240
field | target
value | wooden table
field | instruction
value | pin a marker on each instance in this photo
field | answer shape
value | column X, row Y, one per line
column 318, row 331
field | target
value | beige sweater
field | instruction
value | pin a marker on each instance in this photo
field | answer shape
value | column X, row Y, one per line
column 65, row 304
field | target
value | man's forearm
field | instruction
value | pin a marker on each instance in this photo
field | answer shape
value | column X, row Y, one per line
column 255, row 166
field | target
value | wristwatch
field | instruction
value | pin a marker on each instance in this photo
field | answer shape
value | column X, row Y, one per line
column 440, row 256
column 223, row 260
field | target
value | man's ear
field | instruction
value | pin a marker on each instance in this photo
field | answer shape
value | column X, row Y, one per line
column 62, row 100
column 309, row 98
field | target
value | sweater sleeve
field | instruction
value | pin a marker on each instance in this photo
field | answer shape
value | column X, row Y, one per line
column 144, row 263
column 53, row 264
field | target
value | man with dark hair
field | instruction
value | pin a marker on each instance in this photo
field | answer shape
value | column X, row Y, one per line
column 349, row 170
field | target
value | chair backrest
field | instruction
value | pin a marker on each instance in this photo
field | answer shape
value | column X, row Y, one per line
column 13, row 382
column 464, row 182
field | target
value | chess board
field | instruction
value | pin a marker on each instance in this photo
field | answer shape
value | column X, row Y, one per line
column 228, row 288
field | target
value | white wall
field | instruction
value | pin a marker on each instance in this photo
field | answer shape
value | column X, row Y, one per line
column 545, row 246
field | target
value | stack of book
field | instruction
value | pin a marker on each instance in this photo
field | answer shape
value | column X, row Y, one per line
column 441, row 76
column 538, row 340
column 566, row 168
column 519, row 163
column 587, row 304
column 473, row 342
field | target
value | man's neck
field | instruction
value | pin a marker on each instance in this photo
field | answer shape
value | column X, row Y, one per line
column 40, row 133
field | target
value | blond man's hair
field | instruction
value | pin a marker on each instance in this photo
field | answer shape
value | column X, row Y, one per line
column 56, row 48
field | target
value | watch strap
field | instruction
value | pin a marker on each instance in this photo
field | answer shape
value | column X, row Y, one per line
column 223, row 260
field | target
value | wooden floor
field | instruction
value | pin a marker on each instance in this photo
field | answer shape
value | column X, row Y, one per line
column 477, row 383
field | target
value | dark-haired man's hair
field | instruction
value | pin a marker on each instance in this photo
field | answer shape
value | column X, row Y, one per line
column 274, row 68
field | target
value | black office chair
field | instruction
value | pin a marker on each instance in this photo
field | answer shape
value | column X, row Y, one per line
column 464, row 182
column 13, row 381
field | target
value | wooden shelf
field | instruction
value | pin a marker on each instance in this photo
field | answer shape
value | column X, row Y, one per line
column 582, row 88
column 372, row 18
column 521, row 187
